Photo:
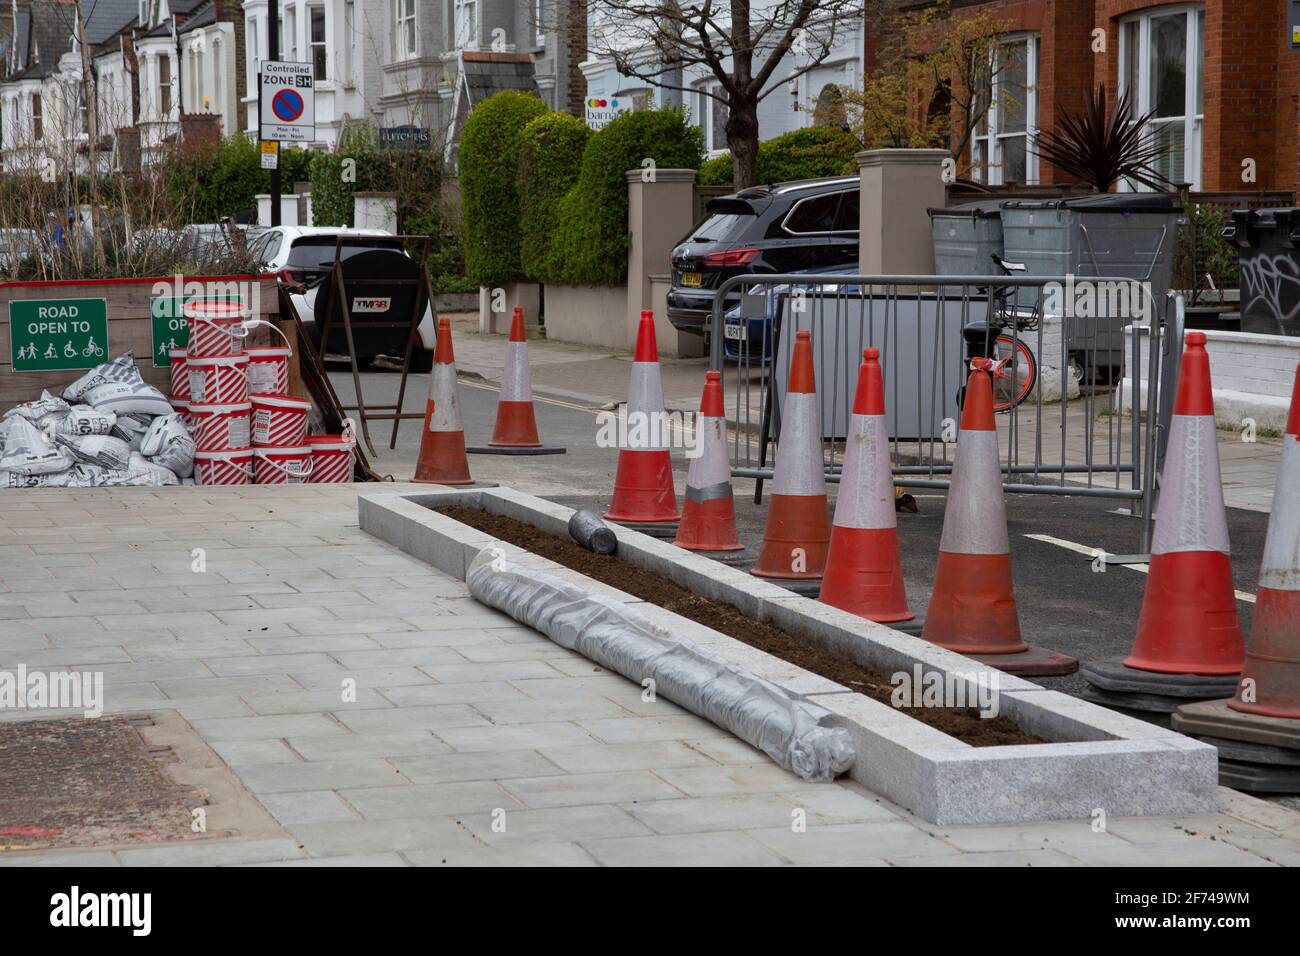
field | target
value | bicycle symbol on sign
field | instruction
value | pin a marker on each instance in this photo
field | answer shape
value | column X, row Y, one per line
column 93, row 349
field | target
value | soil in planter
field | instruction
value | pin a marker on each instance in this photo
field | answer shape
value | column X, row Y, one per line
column 963, row 723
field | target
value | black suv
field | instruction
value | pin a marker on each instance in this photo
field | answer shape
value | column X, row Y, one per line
column 788, row 227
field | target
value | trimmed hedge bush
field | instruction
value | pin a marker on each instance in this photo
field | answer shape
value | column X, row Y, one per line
column 591, row 241
column 206, row 184
column 550, row 160
column 800, row 154
column 331, row 192
column 489, row 173
column 716, row 171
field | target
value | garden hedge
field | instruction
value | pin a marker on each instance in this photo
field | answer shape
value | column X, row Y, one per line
column 591, row 241
column 550, row 160
column 799, row 154
column 489, row 173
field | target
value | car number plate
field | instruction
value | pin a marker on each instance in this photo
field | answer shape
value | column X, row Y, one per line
column 693, row 279
column 734, row 331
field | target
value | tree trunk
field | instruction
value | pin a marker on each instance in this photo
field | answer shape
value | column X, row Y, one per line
column 92, row 138
column 742, row 138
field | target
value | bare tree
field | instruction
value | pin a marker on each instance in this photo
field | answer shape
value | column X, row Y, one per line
column 750, row 48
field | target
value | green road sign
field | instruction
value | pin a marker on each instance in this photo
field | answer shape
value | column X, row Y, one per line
column 170, row 329
column 52, row 334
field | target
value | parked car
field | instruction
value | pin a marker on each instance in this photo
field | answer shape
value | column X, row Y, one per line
column 304, row 256
column 786, row 228
column 17, row 245
column 749, row 339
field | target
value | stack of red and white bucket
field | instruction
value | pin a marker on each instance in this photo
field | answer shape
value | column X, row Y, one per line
column 246, row 426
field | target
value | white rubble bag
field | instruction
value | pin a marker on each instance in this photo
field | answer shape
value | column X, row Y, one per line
column 46, row 410
column 793, row 732
column 143, row 471
column 85, row 420
column 168, row 443
column 104, row 451
column 128, row 399
column 26, row 450
column 121, row 369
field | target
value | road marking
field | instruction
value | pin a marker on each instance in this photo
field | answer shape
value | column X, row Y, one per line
column 1096, row 552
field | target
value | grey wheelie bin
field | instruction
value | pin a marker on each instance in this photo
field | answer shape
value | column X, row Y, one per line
column 1268, row 255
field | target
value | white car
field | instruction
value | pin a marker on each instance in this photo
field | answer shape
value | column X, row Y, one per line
column 304, row 255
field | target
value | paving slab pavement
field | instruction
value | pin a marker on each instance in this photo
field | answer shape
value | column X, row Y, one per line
column 447, row 758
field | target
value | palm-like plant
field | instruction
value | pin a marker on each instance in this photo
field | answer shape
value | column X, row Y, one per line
column 1100, row 150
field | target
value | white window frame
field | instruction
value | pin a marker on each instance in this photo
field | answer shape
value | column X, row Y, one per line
column 406, row 29
column 993, row 174
column 1193, row 121
column 350, row 41
column 705, row 105
column 323, row 43
column 540, row 26
column 466, row 20
column 289, row 35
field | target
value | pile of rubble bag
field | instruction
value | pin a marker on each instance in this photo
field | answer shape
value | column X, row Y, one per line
column 108, row 428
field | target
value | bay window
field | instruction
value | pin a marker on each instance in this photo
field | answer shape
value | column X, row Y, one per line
column 1004, row 132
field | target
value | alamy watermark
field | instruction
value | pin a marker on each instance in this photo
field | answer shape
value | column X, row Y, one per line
column 649, row 431
column 21, row 689
column 951, row 689
column 1083, row 298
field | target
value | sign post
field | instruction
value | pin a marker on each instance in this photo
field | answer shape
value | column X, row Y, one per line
column 57, row 334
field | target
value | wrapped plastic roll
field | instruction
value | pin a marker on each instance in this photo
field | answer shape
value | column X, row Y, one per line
column 589, row 530
column 793, row 732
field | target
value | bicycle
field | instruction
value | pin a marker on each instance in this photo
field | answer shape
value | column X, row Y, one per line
column 1005, row 356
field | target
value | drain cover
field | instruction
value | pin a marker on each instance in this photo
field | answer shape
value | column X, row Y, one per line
column 81, row 782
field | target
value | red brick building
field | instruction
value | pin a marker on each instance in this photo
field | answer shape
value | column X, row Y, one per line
column 1220, row 75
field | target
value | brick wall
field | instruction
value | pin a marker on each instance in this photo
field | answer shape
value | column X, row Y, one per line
column 1251, row 87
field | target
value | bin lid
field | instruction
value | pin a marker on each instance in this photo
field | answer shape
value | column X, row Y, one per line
column 1126, row 203
column 982, row 209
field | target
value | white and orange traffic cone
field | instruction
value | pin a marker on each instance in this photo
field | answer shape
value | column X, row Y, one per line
column 863, row 572
column 798, row 531
column 1270, row 678
column 973, row 606
column 709, row 515
column 515, row 432
column 1189, row 623
column 442, row 449
column 643, row 484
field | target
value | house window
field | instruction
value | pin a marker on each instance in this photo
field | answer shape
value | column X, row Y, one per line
column 289, row 39
column 350, row 33
column 316, row 16
column 712, row 117
column 466, row 12
column 1162, row 61
column 538, row 24
column 218, row 68
column 404, row 46
column 165, row 85
column 1000, row 146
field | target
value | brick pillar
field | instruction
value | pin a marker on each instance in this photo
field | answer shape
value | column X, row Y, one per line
column 230, row 11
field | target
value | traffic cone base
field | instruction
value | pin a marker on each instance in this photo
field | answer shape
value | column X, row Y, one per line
column 442, row 460
column 1189, row 622
column 643, row 488
column 797, row 539
column 1271, row 675
column 709, row 525
column 1257, row 753
column 863, row 575
column 516, row 427
column 972, row 609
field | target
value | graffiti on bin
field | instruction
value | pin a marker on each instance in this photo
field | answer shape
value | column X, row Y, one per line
column 1270, row 289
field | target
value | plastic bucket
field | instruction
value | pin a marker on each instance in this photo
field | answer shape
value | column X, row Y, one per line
column 182, row 406
column 220, row 427
column 268, row 369
column 218, row 381
column 223, row 467
column 216, row 328
column 274, row 465
column 180, row 376
column 279, row 419
column 331, row 457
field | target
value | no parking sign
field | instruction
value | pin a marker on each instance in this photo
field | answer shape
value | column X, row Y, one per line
column 288, row 102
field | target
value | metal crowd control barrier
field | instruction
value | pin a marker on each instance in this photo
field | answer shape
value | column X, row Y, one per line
column 1106, row 441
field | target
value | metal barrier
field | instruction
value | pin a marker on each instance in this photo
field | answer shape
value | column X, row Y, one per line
column 1106, row 442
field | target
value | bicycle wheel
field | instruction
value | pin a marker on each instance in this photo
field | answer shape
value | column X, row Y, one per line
column 1016, row 373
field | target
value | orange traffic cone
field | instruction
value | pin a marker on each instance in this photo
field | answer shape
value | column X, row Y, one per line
column 515, row 432
column 1188, row 623
column 798, row 533
column 709, row 515
column 643, row 484
column 973, row 606
column 442, row 450
column 1270, row 678
column 863, row 573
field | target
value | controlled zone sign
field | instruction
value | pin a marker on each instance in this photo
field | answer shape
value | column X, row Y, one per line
column 287, row 93
column 55, row 334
